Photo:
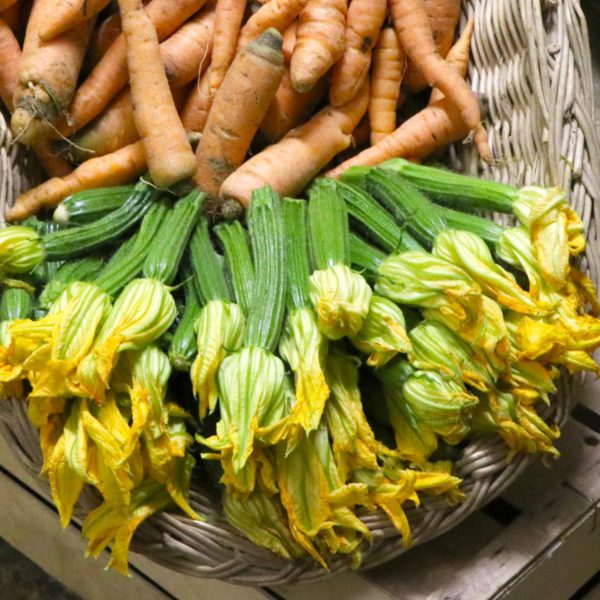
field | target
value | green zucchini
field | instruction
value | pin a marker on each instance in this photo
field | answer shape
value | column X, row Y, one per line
column 75, row 241
column 375, row 221
column 162, row 262
column 16, row 303
column 407, row 204
column 265, row 223
column 460, row 191
column 486, row 229
column 207, row 265
column 128, row 260
column 84, row 269
column 90, row 205
column 234, row 240
column 184, row 345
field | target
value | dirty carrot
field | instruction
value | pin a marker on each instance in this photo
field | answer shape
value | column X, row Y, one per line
column 168, row 152
column 290, row 107
column 365, row 18
column 415, row 36
column 114, row 128
column 12, row 16
column 188, row 51
column 457, row 57
column 48, row 74
column 4, row 4
column 430, row 129
column 228, row 21
column 308, row 148
column 237, row 110
column 10, row 54
column 110, row 75
column 68, row 13
column 113, row 169
column 197, row 106
column 320, row 40
column 278, row 14
column 289, row 41
column 443, row 18
column 102, row 39
column 388, row 66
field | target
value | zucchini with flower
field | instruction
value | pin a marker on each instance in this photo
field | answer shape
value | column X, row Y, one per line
column 555, row 228
column 302, row 344
column 220, row 325
column 340, row 296
column 252, row 384
column 145, row 309
column 22, row 248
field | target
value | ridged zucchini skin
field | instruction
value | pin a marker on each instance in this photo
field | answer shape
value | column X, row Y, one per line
column 162, row 262
column 90, row 205
column 15, row 303
column 61, row 245
column 408, row 205
column 84, row 269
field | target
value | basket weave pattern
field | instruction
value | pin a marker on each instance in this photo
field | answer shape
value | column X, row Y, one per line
column 532, row 69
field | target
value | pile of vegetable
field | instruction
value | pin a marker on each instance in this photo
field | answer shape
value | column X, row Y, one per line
column 104, row 92
column 329, row 357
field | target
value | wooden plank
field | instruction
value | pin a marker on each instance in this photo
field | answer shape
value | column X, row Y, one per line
column 33, row 528
column 350, row 586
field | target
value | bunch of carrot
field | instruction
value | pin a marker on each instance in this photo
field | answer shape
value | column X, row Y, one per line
column 103, row 95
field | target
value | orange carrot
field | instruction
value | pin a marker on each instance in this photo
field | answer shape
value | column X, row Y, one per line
column 114, row 128
column 365, row 18
column 53, row 164
column 188, row 51
column 10, row 55
column 228, row 21
column 290, row 107
column 388, row 66
column 278, row 14
column 306, row 149
column 237, row 110
column 457, row 57
column 430, row 129
column 443, row 17
column 320, row 40
column 168, row 151
column 113, row 169
column 68, row 13
column 48, row 75
column 4, row 4
column 415, row 35
column 110, row 75
column 196, row 109
column 109, row 131
column 289, row 41
column 102, row 39
column 11, row 16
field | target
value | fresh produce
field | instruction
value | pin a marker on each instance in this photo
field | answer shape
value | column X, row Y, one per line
column 363, row 24
column 388, row 69
column 237, row 110
column 168, row 152
column 296, row 338
column 48, row 72
column 333, row 50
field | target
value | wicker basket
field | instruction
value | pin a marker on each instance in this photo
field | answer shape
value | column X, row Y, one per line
column 531, row 66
